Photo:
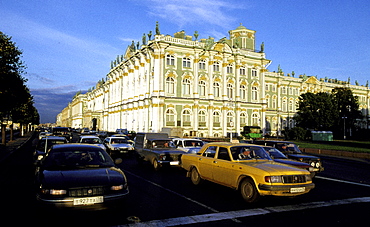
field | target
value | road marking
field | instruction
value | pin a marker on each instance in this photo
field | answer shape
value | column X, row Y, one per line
column 342, row 181
column 173, row 192
column 245, row 213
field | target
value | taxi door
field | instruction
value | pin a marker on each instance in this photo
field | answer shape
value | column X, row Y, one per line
column 223, row 168
column 206, row 161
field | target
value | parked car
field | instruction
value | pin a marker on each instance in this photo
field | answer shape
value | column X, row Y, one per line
column 158, row 149
column 44, row 144
column 292, row 151
column 79, row 176
column 92, row 140
column 188, row 145
column 118, row 145
column 277, row 156
column 247, row 168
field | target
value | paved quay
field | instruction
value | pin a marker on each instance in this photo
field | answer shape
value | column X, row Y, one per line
column 11, row 146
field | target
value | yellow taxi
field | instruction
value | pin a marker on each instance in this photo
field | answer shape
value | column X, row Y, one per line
column 247, row 168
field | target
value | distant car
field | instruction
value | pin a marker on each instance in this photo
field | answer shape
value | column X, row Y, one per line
column 118, row 145
column 44, row 134
column 79, row 176
column 62, row 131
column 188, row 145
column 292, row 151
column 44, row 145
column 92, row 140
column 277, row 156
column 247, row 168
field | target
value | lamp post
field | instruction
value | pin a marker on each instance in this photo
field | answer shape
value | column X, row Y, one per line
column 344, row 127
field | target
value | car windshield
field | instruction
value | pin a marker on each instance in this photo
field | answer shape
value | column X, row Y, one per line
column 163, row 144
column 118, row 140
column 275, row 153
column 76, row 159
column 41, row 144
column 248, row 152
column 193, row 143
column 91, row 140
column 288, row 148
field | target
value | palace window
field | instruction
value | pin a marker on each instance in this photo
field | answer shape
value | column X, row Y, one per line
column 202, row 118
column 216, row 89
column 243, row 119
column 202, row 64
column 202, row 88
column 229, row 69
column 186, row 62
column 242, row 71
column 186, row 122
column 170, row 85
column 170, row 117
column 186, row 84
column 254, row 93
column 230, row 119
column 230, row 91
column 255, row 119
column 216, row 119
column 216, row 67
column 254, row 72
column 170, row 60
column 243, row 92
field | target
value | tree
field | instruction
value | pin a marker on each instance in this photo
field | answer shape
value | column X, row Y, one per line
column 316, row 111
column 347, row 107
column 13, row 91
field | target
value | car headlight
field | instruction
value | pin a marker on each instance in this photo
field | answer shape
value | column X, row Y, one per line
column 273, row 179
column 312, row 164
column 116, row 148
column 118, row 187
column 308, row 178
column 317, row 164
column 54, row 191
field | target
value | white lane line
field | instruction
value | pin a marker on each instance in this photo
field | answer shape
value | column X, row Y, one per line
column 173, row 192
column 245, row 213
column 342, row 181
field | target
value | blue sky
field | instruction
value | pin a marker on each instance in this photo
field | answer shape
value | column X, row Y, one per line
column 68, row 45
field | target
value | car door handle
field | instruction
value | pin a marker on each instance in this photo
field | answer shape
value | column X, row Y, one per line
column 214, row 161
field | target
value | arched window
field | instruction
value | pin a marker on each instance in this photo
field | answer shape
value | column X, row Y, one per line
column 202, row 88
column 186, row 118
column 255, row 93
column 216, row 89
column 243, row 92
column 202, row 64
column 229, row 68
column 202, row 118
column 216, row 67
column 170, row 85
column 255, row 119
column 186, row 85
column 230, row 119
column 243, row 119
column 216, row 119
column 230, row 91
column 170, row 117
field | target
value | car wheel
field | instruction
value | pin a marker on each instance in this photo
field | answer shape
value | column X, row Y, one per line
column 156, row 165
column 195, row 176
column 249, row 191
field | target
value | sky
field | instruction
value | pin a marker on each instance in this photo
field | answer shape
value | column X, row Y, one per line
column 68, row 45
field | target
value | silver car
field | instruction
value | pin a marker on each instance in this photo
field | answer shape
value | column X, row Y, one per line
column 92, row 140
column 188, row 145
column 118, row 145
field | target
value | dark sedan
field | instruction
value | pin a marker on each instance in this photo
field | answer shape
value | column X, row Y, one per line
column 277, row 156
column 80, row 176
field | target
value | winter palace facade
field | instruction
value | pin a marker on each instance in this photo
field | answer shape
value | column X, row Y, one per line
column 203, row 87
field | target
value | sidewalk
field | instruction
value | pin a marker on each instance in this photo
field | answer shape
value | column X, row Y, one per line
column 13, row 145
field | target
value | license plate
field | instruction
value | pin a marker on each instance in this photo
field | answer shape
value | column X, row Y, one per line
column 88, row 200
column 174, row 163
column 297, row 190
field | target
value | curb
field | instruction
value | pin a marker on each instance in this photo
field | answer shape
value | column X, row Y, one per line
column 339, row 154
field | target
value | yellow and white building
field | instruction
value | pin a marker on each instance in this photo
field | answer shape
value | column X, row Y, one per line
column 203, row 87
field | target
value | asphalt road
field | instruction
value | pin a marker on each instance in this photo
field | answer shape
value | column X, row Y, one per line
column 167, row 197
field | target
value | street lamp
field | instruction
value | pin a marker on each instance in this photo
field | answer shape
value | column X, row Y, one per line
column 344, row 127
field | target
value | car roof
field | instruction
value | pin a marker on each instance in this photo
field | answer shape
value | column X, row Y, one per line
column 89, row 137
column 75, row 146
column 187, row 139
column 228, row 144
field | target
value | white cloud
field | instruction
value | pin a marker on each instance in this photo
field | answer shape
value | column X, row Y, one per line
column 182, row 12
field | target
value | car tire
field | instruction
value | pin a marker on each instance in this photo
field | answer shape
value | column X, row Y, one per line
column 156, row 165
column 195, row 176
column 249, row 191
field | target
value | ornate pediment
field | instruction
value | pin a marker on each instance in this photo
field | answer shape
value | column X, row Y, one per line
column 312, row 80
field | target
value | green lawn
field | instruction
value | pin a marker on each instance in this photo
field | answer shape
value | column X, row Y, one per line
column 340, row 145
